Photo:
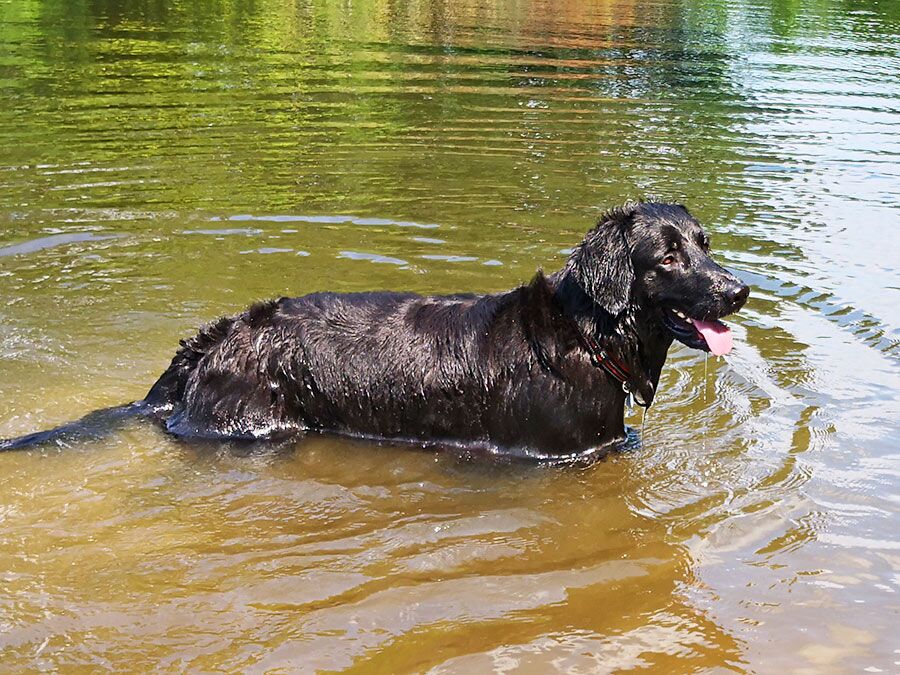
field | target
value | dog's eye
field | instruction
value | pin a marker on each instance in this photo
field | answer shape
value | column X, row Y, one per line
column 668, row 260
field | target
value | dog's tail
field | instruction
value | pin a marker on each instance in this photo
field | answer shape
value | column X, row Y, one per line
column 93, row 425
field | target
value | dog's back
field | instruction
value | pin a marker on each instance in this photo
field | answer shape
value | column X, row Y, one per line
column 384, row 364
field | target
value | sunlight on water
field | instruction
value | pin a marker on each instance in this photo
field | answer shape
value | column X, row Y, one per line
column 162, row 164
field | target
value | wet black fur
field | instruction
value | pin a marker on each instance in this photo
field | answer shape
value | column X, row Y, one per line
column 500, row 371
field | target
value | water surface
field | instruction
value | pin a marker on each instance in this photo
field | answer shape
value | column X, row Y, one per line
column 165, row 163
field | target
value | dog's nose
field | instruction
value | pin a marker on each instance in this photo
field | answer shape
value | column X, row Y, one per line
column 737, row 295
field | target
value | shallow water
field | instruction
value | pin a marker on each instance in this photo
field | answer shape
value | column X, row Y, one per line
column 164, row 163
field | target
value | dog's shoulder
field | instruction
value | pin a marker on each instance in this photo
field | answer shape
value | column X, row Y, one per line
column 550, row 333
column 539, row 308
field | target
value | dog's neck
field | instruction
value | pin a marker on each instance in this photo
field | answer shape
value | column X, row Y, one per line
column 635, row 337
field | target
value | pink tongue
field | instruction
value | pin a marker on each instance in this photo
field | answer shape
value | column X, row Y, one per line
column 716, row 334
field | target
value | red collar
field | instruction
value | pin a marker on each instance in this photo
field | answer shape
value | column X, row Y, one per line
column 601, row 358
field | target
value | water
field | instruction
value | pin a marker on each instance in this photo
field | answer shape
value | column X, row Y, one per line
column 164, row 163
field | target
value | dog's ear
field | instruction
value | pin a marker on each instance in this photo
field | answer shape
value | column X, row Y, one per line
column 602, row 262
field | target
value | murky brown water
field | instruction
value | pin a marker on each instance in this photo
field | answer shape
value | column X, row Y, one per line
column 164, row 163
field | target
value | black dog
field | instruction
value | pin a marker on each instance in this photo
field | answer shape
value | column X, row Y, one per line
column 543, row 369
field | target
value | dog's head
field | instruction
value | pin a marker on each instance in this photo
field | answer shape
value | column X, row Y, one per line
column 656, row 256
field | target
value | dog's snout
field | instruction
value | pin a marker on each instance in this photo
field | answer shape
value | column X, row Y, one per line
column 737, row 294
